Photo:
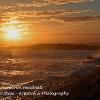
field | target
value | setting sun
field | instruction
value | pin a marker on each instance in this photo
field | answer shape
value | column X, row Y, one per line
column 12, row 34
column 12, row 30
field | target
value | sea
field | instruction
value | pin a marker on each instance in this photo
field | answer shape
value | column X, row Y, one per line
column 19, row 66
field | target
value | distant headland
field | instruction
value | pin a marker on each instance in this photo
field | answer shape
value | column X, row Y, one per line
column 60, row 46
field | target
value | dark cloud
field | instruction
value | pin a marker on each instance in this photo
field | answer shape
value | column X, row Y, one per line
column 68, row 1
column 78, row 19
column 7, row 4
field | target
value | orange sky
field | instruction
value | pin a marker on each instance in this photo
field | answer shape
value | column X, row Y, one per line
column 49, row 21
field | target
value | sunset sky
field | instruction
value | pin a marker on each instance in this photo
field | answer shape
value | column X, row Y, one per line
column 27, row 22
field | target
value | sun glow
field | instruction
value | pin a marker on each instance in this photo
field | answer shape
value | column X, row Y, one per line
column 12, row 33
column 12, row 30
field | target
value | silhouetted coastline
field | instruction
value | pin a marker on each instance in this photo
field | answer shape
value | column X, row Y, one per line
column 59, row 46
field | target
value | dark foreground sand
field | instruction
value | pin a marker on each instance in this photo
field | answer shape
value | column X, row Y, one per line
column 81, row 85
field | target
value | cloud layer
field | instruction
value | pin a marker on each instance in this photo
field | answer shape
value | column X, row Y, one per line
column 5, row 4
column 24, row 10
